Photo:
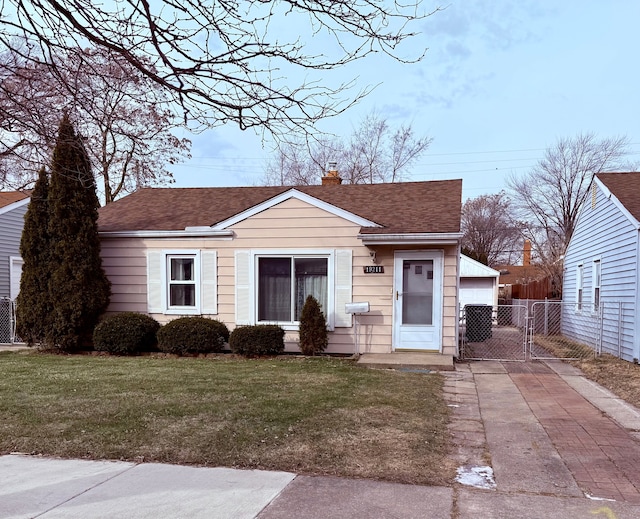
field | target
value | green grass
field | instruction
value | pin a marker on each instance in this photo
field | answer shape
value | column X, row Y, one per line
column 310, row 416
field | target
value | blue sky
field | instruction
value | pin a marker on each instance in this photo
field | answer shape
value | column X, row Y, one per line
column 502, row 80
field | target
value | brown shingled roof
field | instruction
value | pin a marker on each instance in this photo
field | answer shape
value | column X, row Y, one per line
column 403, row 207
column 626, row 188
column 10, row 197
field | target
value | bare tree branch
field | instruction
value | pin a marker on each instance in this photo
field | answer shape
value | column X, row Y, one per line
column 125, row 118
column 226, row 61
column 550, row 196
column 372, row 154
column 490, row 234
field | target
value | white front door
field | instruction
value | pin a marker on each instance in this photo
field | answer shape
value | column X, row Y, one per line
column 417, row 316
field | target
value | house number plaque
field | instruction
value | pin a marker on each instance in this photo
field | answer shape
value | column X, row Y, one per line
column 374, row 269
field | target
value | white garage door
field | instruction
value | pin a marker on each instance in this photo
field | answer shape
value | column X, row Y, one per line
column 476, row 291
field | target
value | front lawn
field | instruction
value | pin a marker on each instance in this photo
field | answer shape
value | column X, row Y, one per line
column 310, row 416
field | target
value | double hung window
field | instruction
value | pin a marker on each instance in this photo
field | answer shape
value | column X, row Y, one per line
column 182, row 282
column 579, row 286
column 596, row 285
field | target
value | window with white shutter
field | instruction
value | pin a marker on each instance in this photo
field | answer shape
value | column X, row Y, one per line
column 182, row 282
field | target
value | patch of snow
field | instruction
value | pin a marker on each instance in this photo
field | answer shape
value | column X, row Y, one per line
column 594, row 498
column 478, row 477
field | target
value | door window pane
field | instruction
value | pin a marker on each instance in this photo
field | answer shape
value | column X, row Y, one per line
column 417, row 292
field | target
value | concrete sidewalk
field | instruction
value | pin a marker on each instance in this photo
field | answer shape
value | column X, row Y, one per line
column 543, row 429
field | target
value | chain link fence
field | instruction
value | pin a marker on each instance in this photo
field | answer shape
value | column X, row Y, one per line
column 559, row 330
column 8, row 321
column 544, row 330
column 494, row 332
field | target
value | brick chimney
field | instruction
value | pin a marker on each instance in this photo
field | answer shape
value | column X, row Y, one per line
column 526, row 253
column 331, row 178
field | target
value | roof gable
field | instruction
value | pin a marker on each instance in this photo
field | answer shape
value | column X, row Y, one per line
column 404, row 207
column 470, row 268
column 625, row 188
column 10, row 200
column 287, row 195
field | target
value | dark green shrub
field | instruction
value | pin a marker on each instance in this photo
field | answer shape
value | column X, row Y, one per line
column 263, row 339
column 313, row 328
column 127, row 333
column 78, row 287
column 190, row 335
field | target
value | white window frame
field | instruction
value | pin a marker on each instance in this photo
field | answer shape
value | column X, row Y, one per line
column 166, row 280
column 596, row 272
column 294, row 253
column 579, row 287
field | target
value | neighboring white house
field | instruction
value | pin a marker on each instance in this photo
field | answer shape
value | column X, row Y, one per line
column 13, row 206
column 601, row 267
column 478, row 283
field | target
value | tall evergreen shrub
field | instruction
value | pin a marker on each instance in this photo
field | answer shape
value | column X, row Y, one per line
column 78, row 287
column 313, row 328
column 33, row 302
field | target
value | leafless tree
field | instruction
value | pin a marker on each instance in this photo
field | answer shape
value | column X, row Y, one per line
column 373, row 153
column 491, row 236
column 125, row 118
column 257, row 64
column 549, row 197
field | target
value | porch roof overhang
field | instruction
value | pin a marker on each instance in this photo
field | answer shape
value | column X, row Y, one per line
column 431, row 238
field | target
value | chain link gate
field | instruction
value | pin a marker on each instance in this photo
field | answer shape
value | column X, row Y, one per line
column 7, row 321
column 494, row 332
column 561, row 330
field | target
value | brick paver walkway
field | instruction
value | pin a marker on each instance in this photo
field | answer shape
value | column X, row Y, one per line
column 602, row 456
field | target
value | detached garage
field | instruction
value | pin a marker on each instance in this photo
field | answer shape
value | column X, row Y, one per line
column 478, row 283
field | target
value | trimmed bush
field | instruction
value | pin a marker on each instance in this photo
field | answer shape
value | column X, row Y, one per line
column 262, row 339
column 127, row 333
column 192, row 335
column 313, row 328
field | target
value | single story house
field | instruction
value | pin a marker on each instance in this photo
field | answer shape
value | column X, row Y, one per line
column 601, row 267
column 478, row 283
column 13, row 206
column 251, row 255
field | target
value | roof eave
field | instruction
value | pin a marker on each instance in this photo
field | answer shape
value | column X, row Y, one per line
column 187, row 233
column 428, row 238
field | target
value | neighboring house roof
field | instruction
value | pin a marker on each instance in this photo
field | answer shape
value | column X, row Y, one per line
column 404, row 207
column 10, row 197
column 470, row 268
column 519, row 274
column 626, row 188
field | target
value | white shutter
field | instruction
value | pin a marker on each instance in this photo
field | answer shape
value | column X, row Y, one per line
column 155, row 266
column 343, row 288
column 209, row 282
column 243, row 285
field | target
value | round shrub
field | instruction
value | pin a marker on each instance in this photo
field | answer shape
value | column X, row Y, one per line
column 127, row 333
column 262, row 339
column 191, row 335
column 313, row 328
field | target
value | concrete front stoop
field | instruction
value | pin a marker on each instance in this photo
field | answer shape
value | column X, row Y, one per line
column 407, row 361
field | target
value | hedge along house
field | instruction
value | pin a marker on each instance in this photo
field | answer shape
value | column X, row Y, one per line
column 251, row 255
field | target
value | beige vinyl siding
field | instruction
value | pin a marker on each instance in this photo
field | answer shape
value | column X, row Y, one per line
column 293, row 225
column 125, row 263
